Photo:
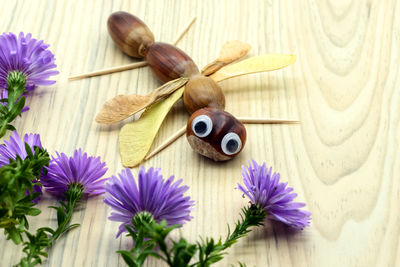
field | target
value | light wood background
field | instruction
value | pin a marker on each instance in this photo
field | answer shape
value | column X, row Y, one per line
column 343, row 160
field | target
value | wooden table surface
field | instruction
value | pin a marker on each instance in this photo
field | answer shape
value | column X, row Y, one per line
column 343, row 159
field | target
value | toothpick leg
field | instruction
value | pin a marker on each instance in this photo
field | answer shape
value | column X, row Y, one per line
column 185, row 30
column 128, row 66
column 109, row 70
column 167, row 142
column 247, row 120
column 250, row 120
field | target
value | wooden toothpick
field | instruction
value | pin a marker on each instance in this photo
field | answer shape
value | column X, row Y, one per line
column 247, row 120
column 128, row 66
column 109, row 70
column 185, row 30
column 167, row 142
column 250, row 120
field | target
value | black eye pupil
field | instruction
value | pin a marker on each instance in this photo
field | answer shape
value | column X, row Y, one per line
column 200, row 127
column 232, row 145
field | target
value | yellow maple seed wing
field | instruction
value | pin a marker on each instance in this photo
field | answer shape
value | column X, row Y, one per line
column 136, row 138
column 124, row 106
column 253, row 65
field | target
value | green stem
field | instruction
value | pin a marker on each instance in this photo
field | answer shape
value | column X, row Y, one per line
column 38, row 243
column 73, row 195
column 16, row 87
column 251, row 216
column 181, row 252
column 167, row 258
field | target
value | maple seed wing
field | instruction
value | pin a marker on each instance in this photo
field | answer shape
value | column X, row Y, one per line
column 263, row 63
column 230, row 52
column 124, row 106
column 121, row 107
column 136, row 138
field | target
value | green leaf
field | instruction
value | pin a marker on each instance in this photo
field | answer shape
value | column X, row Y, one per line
column 47, row 229
column 33, row 212
column 128, row 258
column 72, row 226
column 15, row 235
column 146, row 253
column 17, row 109
column 10, row 127
column 209, row 247
column 60, row 215
column 28, row 150
column 44, row 254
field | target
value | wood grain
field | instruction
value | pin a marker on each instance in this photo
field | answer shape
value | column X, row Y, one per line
column 342, row 159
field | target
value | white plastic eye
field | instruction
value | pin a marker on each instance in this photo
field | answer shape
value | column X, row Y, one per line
column 202, row 126
column 231, row 143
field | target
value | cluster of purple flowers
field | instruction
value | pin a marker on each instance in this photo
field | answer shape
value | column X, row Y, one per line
column 62, row 171
column 164, row 199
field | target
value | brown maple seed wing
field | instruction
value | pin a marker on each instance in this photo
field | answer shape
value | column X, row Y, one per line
column 124, row 106
column 230, row 52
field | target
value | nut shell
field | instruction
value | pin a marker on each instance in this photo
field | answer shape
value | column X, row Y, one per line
column 130, row 34
column 168, row 62
column 223, row 123
column 202, row 92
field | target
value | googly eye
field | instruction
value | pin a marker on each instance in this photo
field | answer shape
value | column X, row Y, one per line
column 202, row 126
column 231, row 143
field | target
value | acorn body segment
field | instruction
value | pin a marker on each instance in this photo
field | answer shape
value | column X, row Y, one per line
column 168, row 62
column 215, row 134
column 130, row 34
column 203, row 92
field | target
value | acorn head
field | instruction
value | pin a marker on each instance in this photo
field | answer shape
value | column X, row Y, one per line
column 215, row 134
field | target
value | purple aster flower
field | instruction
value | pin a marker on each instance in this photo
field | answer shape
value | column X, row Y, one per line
column 163, row 199
column 79, row 170
column 28, row 56
column 16, row 146
column 262, row 187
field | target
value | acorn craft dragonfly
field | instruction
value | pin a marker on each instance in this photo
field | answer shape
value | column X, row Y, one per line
column 210, row 131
